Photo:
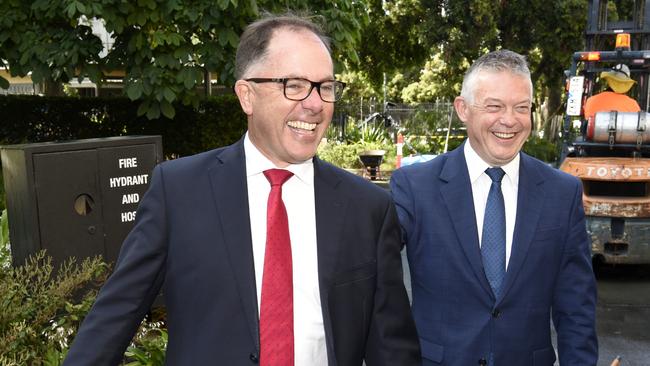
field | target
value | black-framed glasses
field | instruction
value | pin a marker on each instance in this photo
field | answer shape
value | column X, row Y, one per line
column 299, row 89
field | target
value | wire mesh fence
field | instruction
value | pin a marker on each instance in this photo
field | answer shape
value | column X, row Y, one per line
column 426, row 127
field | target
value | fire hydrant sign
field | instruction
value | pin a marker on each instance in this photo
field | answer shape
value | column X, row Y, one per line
column 128, row 181
column 125, row 180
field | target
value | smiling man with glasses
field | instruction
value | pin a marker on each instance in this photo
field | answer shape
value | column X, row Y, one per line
column 265, row 253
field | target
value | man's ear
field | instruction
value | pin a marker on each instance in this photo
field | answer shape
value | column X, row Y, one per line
column 244, row 92
column 462, row 108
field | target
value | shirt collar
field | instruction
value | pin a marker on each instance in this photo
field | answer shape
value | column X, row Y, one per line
column 476, row 166
column 257, row 163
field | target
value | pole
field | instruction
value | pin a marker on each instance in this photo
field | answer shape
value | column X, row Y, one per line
column 384, row 93
column 398, row 156
column 450, row 118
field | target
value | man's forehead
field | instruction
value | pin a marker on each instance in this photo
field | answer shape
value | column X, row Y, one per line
column 280, row 35
column 298, row 52
column 487, row 88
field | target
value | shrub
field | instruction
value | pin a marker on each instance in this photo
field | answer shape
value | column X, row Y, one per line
column 5, row 253
column 42, row 307
column 148, row 346
column 540, row 148
column 346, row 155
column 218, row 121
column 2, row 192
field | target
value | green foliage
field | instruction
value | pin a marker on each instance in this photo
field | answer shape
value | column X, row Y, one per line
column 542, row 149
column 425, row 129
column 164, row 48
column 392, row 41
column 2, row 188
column 359, row 137
column 42, row 307
column 423, row 48
column 346, row 154
column 367, row 133
column 343, row 155
column 5, row 252
column 430, row 85
column 217, row 122
column 148, row 346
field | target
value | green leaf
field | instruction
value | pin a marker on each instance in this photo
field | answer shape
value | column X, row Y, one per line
column 4, row 83
column 167, row 109
column 189, row 82
column 169, row 94
column 37, row 75
column 233, row 38
column 192, row 15
column 223, row 4
column 154, row 111
column 142, row 19
column 143, row 108
column 97, row 8
column 71, row 9
column 223, row 38
column 175, row 39
column 147, row 87
column 134, row 90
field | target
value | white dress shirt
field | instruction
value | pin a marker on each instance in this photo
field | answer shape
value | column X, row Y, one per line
column 481, row 183
column 298, row 197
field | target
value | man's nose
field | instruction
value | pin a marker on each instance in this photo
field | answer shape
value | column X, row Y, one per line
column 313, row 101
column 510, row 116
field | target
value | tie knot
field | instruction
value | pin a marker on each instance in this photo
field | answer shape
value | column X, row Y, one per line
column 277, row 177
column 496, row 174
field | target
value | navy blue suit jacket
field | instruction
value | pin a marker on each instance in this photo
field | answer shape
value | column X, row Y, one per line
column 458, row 318
column 192, row 239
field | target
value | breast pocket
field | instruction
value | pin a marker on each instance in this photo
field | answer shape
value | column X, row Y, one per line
column 544, row 357
column 548, row 234
column 431, row 351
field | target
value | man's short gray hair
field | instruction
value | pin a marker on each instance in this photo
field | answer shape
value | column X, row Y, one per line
column 496, row 61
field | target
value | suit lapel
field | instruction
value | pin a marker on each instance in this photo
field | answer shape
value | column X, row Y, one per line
column 330, row 219
column 228, row 179
column 530, row 198
column 457, row 195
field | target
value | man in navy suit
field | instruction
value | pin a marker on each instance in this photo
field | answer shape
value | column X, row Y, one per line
column 489, row 270
column 201, row 236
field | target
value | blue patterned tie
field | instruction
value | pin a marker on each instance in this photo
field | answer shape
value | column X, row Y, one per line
column 493, row 242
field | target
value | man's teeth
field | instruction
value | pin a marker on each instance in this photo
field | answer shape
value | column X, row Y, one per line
column 504, row 135
column 302, row 125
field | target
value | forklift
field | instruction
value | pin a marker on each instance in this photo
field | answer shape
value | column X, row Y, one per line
column 610, row 153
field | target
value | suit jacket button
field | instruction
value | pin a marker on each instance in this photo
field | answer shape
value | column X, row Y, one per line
column 496, row 313
column 482, row 362
column 253, row 357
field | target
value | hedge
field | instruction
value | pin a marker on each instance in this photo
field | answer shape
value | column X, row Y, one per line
column 217, row 121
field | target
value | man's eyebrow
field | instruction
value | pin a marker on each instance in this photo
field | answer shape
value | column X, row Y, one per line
column 492, row 100
column 296, row 76
column 497, row 100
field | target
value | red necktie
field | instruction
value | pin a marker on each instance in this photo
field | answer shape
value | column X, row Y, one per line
column 276, row 313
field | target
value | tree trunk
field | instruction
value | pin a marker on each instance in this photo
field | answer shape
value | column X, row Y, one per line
column 207, row 82
column 53, row 88
column 553, row 122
